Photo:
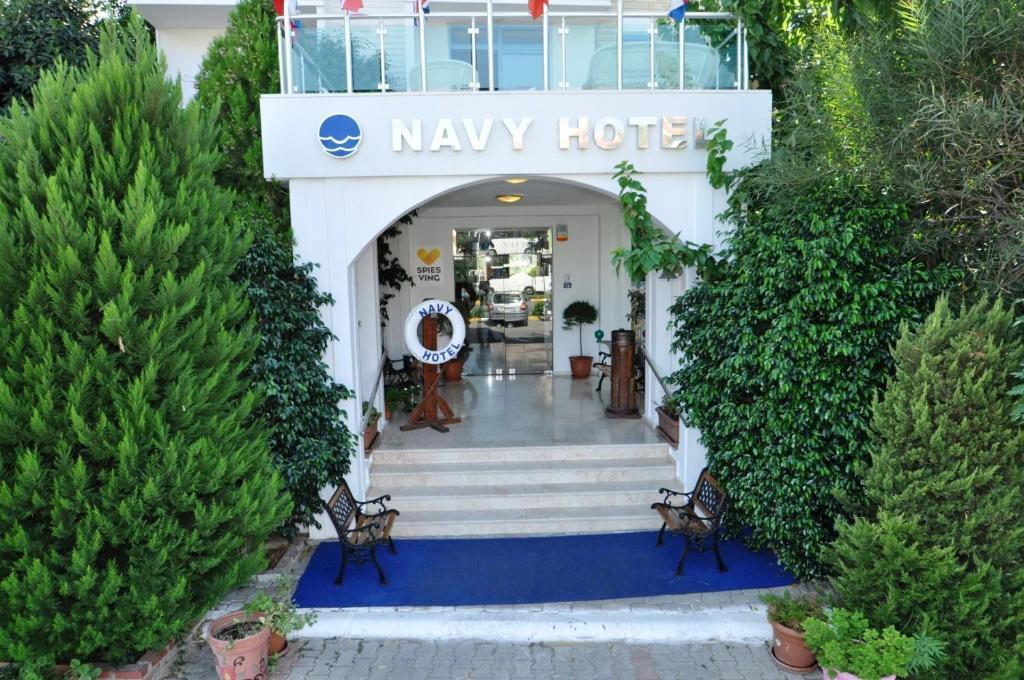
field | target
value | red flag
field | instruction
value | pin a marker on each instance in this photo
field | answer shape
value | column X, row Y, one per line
column 537, row 8
column 351, row 5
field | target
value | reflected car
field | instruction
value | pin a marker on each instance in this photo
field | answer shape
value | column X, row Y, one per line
column 507, row 308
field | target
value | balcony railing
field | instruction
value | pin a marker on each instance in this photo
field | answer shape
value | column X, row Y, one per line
column 492, row 51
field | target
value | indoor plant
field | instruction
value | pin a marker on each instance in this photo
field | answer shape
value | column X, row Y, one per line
column 577, row 315
column 786, row 614
column 239, row 644
column 370, row 433
column 849, row 649
column 668, row 419
column 453, row 368
column 280, row 614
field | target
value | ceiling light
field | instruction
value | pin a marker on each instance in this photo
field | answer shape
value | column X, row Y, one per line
column 517, row 180
column 509, row 198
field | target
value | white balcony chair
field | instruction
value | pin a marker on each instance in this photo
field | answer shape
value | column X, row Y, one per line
column 702, row 64
column 444, row 75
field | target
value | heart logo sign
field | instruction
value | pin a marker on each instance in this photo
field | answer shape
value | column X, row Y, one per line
column 428, row 256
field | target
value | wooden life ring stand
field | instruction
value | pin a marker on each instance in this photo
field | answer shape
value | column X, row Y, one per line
column 426, row 412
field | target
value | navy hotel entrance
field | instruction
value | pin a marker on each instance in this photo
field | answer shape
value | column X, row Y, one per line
column 503, row 276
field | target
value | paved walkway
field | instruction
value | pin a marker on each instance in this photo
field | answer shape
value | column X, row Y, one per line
column 464, row 660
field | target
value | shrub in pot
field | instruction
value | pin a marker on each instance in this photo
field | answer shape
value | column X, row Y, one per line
column 577, row 315
column 370, row 433
column 239, row 643
column 786, row 614
column 849, row 649
column 281, row 615
column 668, row 419
column 453, row 368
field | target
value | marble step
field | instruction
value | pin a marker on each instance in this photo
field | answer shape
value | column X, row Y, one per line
column 526, row 522
column 648, row 470
column 523, row 454
column 524, row 496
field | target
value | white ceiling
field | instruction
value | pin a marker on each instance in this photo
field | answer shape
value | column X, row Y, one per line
column 536, row 192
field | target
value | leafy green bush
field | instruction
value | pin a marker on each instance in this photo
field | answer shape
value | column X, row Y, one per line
column 135, row 487
column 784, row 349
column 311, row 444
column 791, row 610
column 310, row 441
column 34, row 34
column 239, row 66
column 940, row 540
column 847, row 643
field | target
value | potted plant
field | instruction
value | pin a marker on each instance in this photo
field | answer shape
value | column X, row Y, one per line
column 668, row 419
column 239, row 644
column 370, row 433
column 577, row 315
column 849, row 649
column 786, row 614
column 281, row 615
column 453, row 368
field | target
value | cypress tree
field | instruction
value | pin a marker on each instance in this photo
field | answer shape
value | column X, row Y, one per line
column 942, row 545
column 309, row 439
column 135, row 489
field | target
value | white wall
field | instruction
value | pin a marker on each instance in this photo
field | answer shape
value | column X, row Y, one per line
column 185, row 49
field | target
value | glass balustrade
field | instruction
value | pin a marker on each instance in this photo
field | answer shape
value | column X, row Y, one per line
column 505, row 51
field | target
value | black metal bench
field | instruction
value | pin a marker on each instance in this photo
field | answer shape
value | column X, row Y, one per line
column 359, row 532
column 697, row 518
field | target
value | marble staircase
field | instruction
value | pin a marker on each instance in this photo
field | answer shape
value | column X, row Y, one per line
column 523, row 490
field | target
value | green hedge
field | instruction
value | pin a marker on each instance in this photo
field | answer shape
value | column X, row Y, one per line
column 784, row 349
column 135, row 488
column 940, row 543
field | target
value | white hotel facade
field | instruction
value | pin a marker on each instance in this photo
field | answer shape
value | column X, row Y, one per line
column 440, row 112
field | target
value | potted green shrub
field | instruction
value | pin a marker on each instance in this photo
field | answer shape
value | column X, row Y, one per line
column 280, row 614
column 239, row 644
column 668, row 419
column 577, row 315
column 849, row 649
column 786, row 614
column 370, row 433
column 453, row 368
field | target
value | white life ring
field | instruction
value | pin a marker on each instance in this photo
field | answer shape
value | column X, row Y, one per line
column 412, row 325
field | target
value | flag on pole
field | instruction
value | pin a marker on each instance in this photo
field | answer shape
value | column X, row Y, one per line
column 677, row 9
column 351, row 6
column 417, row 5
column 293, row 9
column 537, row 8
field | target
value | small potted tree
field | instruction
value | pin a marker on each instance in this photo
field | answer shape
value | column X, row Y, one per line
column 786, row 614
column 239, row 643
column 281, row 615
column 370, row 433
column 849, row 649
column 668, row 419
column 453, row 368
column 577, row 315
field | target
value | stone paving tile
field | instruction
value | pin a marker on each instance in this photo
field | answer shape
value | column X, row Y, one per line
column 337, row 658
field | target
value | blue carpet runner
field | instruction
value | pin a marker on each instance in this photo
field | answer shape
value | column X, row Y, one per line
column 475, row 571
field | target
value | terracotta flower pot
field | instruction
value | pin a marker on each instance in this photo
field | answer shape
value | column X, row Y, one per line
column 581, row 367
column 846, row 676
column 453, row 370
column 790, row 650
column 244, row 659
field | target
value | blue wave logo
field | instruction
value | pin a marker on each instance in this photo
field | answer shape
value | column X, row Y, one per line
column 340, row 135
